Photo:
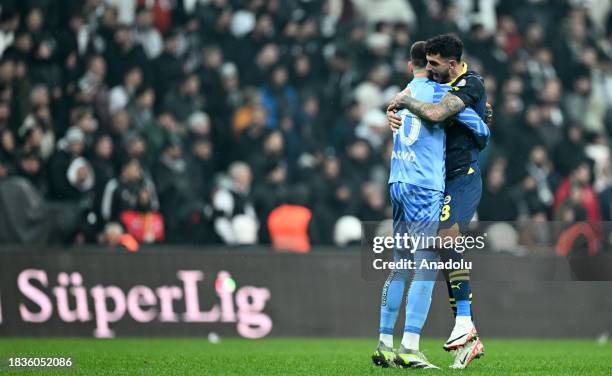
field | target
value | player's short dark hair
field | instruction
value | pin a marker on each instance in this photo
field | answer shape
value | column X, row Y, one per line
column 447, row 45
column 417, row 54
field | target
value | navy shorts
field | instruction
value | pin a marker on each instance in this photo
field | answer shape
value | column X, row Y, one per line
column 461, row 198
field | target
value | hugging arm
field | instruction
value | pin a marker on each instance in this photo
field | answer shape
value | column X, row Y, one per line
column 469, row 118
column 448, row 106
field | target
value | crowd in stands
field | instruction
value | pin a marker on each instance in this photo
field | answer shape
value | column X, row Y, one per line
column 216, row 122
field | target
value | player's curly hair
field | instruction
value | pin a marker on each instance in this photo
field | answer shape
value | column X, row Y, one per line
column 447, row 45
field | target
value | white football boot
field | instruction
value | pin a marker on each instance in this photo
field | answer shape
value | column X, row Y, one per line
column 464, row 355
column 463, row 332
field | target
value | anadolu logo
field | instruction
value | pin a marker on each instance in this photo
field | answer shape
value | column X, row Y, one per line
column 74, row 302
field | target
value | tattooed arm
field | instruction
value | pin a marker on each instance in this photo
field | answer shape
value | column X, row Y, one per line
column 434, row 112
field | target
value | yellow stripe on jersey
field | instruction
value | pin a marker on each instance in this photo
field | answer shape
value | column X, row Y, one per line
column 463, row 71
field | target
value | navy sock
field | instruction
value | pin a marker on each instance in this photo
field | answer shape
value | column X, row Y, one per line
column 458, row 285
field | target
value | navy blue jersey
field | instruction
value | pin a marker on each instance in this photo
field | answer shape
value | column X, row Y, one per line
column 462, row 145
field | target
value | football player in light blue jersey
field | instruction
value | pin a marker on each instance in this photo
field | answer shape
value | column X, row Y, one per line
column 416, row 186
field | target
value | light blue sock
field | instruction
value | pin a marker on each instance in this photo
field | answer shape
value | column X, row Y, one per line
column 417, row 307
column 419, row 293
column 392, row 296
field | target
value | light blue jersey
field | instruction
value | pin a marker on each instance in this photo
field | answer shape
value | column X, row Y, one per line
column 419, row 146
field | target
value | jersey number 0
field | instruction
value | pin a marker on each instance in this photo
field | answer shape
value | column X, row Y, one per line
column 415, row 128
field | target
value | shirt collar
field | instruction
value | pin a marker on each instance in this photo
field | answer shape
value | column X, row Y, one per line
column 463, row 71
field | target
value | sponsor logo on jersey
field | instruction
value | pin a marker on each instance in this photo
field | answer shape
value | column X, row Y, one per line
column 408, row 155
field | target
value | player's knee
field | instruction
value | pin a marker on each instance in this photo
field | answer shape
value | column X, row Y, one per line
column 450, row 253
column 423, row 274
column 450, row 235
column 402, row 275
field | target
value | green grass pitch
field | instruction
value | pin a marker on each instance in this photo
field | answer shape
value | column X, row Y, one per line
column 144, row 356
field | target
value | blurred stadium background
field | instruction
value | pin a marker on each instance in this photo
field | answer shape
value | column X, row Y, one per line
column 166, row 146
column 205, row 116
